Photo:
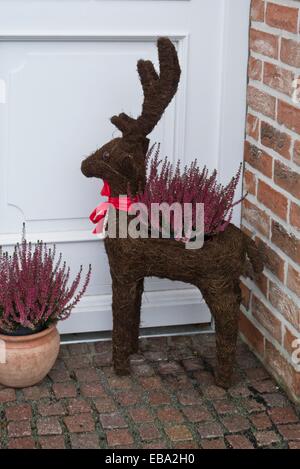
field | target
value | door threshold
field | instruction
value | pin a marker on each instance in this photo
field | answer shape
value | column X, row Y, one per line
column 188, row 329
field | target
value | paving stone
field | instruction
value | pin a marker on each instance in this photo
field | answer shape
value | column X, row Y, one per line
column 103, row 346
column 84, row 441
column 102, row 359
column 256, row 374
column 210, row 430
column 239, row 390
column 19, row 429
column 156, row 444
column 150, row 382
column 214, row 392
column 149, row 431
column 265, row 386
column 204, row 378
column 60, row 375
column 236, row 423
column 62, row 390
column 92, row 390
column 119, row 437
column 7, row 395
column 239, row 442
column 197, row 414
column 127, row 398
column 35, row 393
column 189, row 397
column 276, row 400
column 113, row 420
column 87, row 375
column 52, row 442
column 141, row 415
column 80, row 423
column 290, row 431
column 137, row 359
column 158, row 398
column 104, row 404
column 78, row 349
column 143, row 370
column 49, row 408
column 177, row 383
column 48, row 426
column 78, row 406
column 193, row 364
column 185, row 445
column 294, row 445
column 225, row 406
column 18, row 412
column 21, row 443
column 216, row 443
column 281, row 415
column 266, row 438
column 170, row 368
column 119, row 382
column 75, row 363
column 169, row 414
column 156, row 356
column 251, row 405
column 178, row 433
column 261, row 421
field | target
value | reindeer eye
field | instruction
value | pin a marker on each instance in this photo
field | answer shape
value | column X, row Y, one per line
column 105, row 156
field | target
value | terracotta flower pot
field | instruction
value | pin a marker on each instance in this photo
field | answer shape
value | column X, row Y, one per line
column 28, row 359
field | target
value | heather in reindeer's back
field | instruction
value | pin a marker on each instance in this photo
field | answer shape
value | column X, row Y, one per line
column 215, row 268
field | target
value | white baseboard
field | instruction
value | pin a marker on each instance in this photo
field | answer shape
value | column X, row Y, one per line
column 159, row 308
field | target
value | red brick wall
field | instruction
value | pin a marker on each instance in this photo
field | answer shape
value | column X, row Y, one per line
column 270, row 318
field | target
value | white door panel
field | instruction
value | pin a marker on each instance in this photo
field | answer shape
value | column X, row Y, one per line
column 65, row 68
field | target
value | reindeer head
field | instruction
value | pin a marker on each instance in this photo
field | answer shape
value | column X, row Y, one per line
column 122, row 160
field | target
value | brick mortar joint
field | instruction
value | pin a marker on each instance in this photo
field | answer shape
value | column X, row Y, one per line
column 273, row 217
column 267, row 335
column 273, row 122
column 280, row 33
column 270, row 181
column 279, row 96
column 270, row 369
column 276, row 156
column 278, row 251
column 271, row 60
column 266, row 302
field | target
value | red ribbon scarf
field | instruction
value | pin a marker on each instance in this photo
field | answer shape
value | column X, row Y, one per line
column 120, row 203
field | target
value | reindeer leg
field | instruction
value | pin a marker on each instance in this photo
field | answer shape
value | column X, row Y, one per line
column 124, row 316
column 136, row 317
column 225, row 307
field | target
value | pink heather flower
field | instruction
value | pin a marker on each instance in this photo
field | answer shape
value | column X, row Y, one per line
column 34, row 288
column 167, row 183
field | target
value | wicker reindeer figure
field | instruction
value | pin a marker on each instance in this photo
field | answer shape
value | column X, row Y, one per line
column 215, row 268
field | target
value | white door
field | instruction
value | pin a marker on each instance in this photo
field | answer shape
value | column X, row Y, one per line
column 65, row 68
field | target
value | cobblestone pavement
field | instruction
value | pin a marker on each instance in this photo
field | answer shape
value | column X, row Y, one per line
column 170, row 401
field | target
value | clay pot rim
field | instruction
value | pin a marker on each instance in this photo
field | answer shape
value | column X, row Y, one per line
column 28, row 338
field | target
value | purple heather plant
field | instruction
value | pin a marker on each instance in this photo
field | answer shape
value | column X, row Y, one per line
column 167, row 183
column 34, row 287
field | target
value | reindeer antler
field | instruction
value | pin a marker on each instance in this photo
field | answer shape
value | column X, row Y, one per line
column 158, row 90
